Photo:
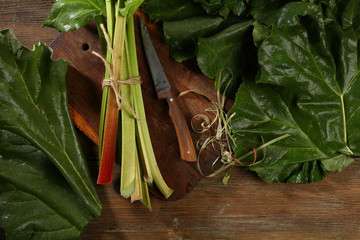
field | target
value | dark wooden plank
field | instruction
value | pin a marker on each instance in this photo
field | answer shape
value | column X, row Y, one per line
column 246, row 208
column 26, row 18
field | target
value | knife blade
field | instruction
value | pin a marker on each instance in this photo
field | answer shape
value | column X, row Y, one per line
column 163, row 91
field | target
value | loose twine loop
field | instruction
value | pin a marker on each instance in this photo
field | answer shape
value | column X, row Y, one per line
column 112, row 81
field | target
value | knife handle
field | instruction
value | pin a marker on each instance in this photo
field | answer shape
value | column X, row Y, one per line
column 187, row 149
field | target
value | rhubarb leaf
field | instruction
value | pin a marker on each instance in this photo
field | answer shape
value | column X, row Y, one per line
column 68, row 15
column 263, row 115
column 277, row 12
column 34, row 105
column 182, row 35
column 224, row 51
column 189, row 34
column 171, row 10
column 35, row 200
column 308, row 88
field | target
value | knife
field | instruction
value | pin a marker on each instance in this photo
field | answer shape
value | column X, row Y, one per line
column 162, row 88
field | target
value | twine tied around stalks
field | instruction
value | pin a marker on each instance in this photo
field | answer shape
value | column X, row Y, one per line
column 112, row 81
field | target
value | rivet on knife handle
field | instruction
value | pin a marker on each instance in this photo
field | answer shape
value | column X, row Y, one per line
column 162, row 88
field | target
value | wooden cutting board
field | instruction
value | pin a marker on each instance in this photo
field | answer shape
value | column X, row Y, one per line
column 84, row 78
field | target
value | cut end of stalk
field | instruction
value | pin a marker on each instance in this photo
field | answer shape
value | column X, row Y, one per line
column 135, row 197
column 145, row 196
column 104, row 181
column 165, row 190
column 104, row 177
column 147, row 204
column 105, row 171
column 137, row 194
column 159, row 180
column 108, row 150
column 168, row 193
column 128, row 191
column 149, row 181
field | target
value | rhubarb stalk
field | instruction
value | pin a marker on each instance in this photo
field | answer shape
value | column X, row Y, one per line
column 138, row 164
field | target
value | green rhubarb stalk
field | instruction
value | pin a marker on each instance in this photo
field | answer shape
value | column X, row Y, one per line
column 131, row 177
column 151, row 169
column 144, row 144
column 128, row 156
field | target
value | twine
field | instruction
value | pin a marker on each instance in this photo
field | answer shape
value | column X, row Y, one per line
column 112, row 81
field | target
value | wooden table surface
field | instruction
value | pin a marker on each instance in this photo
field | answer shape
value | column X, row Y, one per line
column 247, row 208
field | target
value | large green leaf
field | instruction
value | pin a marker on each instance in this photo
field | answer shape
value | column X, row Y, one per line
column 308, row 89
column 278, row 12
column 35, row 200
column 69, row 15
column 182, row 35
column 220, row 36
column 171, row 10
column 34, row 105
column 263, row 115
